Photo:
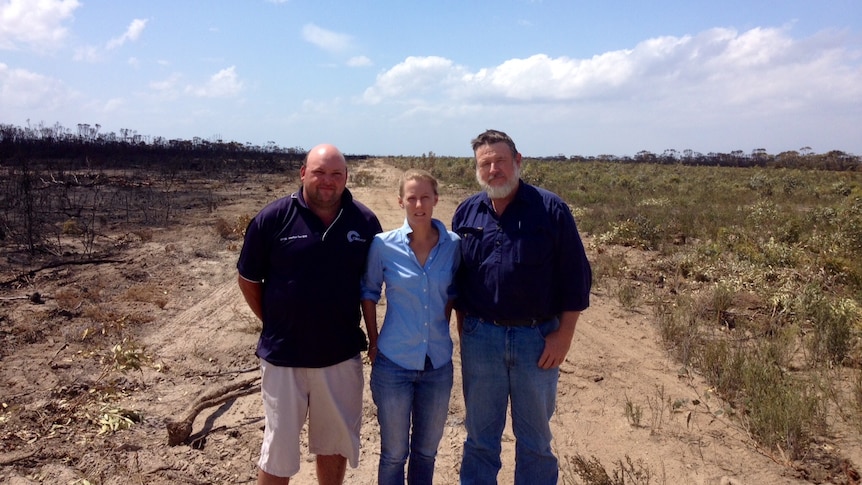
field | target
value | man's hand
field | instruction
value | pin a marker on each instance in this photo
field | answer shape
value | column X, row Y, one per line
column 556, row 348
column 557, row 343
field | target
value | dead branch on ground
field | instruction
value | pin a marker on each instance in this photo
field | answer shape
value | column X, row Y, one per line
column 179, row 431
column 224, row 372
column 13, row 456
column 57, row 264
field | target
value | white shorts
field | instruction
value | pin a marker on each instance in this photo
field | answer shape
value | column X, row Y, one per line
column 334, row 420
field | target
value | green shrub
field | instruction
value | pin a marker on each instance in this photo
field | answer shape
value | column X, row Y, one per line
column 775, row 249
column 832, row 323
column 780, row 410
column 628, row 294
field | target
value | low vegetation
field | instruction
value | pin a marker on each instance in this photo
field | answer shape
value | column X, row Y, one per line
column 752, row 275
column 752, row 272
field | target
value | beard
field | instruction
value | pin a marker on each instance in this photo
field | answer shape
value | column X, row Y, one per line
column 501, row 191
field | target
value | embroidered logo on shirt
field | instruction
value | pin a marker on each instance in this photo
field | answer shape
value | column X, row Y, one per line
column 354, row 236
column 291, row 238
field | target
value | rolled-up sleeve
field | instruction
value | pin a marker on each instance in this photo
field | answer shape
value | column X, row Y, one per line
column 574, row 276
column 372, row 280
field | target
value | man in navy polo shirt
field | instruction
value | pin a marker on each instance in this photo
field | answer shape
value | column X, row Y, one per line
column 299, row 271
column 523, row 281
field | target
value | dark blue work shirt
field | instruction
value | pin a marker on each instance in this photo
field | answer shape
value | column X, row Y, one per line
column 311, row 280
column 529, row 263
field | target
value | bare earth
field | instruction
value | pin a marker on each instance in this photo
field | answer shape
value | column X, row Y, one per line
column 173, row 295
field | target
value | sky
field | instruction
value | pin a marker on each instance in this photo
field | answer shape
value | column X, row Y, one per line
column 388, row 77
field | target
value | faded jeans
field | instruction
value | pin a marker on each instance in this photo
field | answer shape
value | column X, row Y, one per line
column 403, row 396
column 500, row 364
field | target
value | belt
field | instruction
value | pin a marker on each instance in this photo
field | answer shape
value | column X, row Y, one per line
column 517, row 322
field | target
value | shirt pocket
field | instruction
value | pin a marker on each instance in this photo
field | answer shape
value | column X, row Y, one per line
column 534, row 247
column 439, row 280
column 471, row 246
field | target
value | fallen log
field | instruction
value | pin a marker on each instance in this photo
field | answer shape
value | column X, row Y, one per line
column 57, row 264
column 13, row 456
column 179, row 431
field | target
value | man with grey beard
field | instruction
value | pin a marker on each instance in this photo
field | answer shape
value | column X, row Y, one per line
column 522, row 284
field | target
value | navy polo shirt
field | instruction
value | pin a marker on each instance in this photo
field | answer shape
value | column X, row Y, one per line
column 529, row 263
column 311, row 280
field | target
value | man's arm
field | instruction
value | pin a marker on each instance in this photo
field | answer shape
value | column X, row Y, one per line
column 252, row 291
column 369, row 314
column 557, row 343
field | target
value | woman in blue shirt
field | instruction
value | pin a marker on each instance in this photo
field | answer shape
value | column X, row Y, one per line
column 411, row 376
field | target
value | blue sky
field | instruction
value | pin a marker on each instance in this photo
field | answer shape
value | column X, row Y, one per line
column 391, row 77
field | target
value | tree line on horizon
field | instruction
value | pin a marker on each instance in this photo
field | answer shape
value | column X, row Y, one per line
column 90, row 147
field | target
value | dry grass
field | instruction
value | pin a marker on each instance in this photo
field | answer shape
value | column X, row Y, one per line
column 145, row 234
column 68, row 299
column 148, row 293
column 754, row 272
column 232, row 230
column 592, row 472
column 362, row 178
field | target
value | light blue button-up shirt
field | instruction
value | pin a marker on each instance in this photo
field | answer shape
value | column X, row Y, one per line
column 415, row 323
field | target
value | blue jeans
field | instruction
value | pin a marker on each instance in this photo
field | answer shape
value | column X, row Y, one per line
column 500, row 364
column 402, row 396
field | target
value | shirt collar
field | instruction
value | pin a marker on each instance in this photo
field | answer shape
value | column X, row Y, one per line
column 405, row 230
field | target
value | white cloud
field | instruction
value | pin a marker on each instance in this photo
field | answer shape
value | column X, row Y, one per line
column 87, row 54
column 326, row 39
column 414, row 77
column 540, row 77
column 132, row 33
column 359, row 61
column 718, row 69
column 167, row 86
column 222, row 84
column 91, row 53
column 37, row 24
column 26, row 90
column 113, row 105
column 703, row 91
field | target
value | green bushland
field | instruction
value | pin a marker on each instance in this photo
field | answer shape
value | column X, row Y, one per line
column 753, row 274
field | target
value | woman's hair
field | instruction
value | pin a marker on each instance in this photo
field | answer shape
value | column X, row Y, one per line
column 416, row 174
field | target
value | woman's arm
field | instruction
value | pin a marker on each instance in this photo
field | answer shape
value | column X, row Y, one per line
column 369, row 314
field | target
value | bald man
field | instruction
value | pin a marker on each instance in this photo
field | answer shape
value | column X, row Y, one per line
column 299, row 271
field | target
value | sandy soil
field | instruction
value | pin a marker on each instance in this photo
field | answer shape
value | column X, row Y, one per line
column 170, row 300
